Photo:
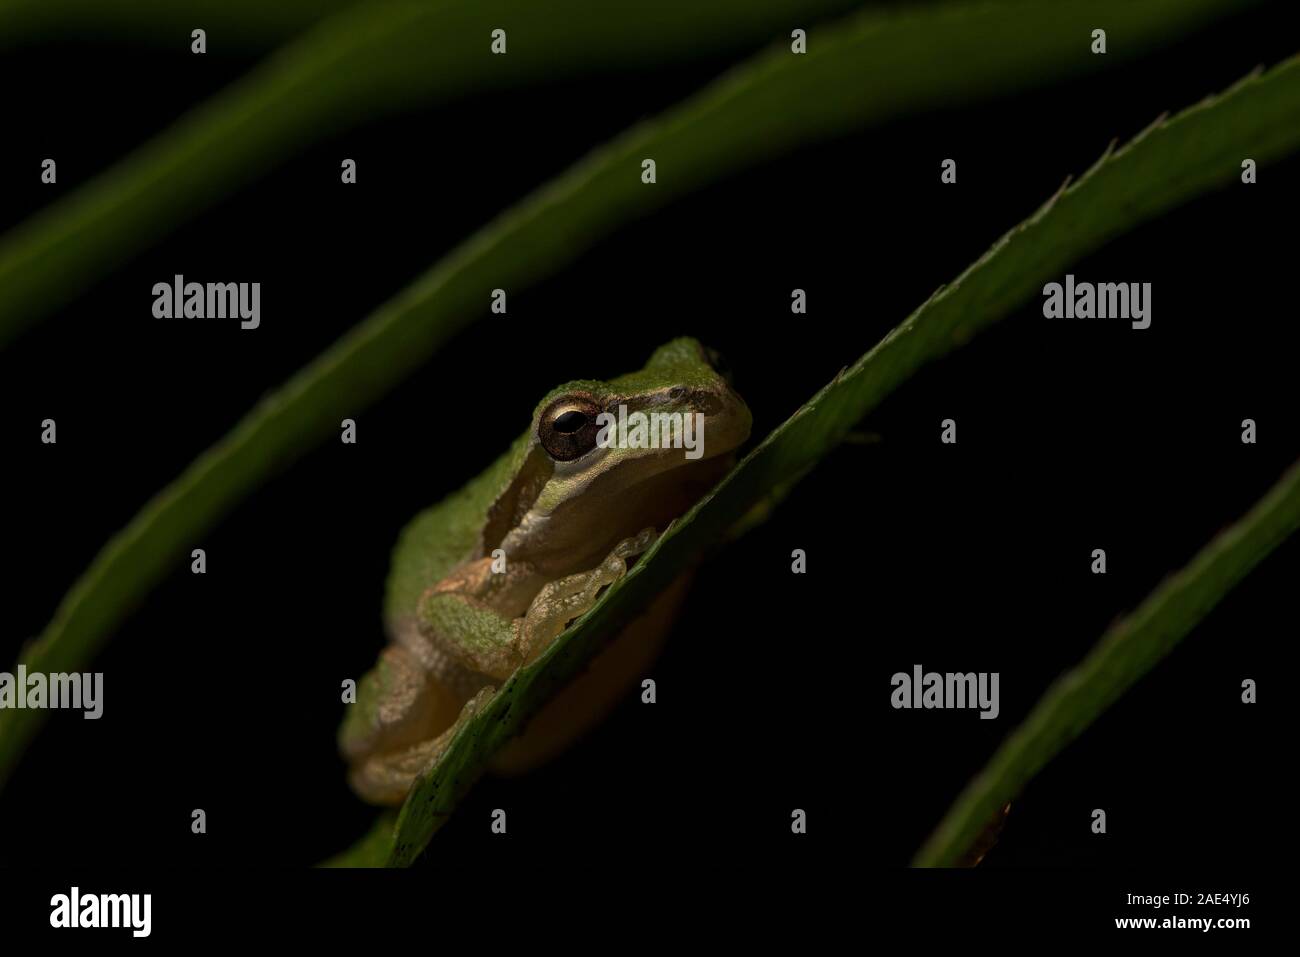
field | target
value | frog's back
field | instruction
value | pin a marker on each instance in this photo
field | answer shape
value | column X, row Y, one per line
column 444, row 535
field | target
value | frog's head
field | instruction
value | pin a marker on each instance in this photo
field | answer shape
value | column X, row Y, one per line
column 606, row 459
column 676, row 410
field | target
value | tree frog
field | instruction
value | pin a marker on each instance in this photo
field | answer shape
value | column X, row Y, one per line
column 481, row 583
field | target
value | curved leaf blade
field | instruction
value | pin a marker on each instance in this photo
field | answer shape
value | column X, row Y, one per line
column 1168, row 163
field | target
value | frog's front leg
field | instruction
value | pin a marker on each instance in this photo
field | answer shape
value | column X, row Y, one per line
column 492, row 644
column 565, row 599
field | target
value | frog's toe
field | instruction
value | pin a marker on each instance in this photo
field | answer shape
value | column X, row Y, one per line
column 385, row 777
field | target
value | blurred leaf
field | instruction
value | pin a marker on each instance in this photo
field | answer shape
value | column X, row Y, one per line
column 371, row 60
column 245, row 25
column 1168, row 163
column 376, row 59
column 1123, row 655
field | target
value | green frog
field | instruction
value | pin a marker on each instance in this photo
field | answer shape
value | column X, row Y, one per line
column 485, row 580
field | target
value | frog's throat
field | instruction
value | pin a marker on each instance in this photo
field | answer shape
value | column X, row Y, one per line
column 517, row 498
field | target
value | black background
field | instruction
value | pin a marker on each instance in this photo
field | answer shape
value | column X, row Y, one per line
column 222, row 691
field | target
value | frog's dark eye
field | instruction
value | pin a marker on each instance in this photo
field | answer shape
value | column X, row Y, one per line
column 567, row 428
column 570, row 421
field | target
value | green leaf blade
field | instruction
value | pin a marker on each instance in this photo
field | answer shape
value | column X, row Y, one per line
column 1124, row 654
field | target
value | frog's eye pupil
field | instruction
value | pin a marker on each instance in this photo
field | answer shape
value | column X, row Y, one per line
column 569, row 422
column 568, row 427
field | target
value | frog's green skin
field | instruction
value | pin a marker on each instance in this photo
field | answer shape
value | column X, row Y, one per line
column 567, row 517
